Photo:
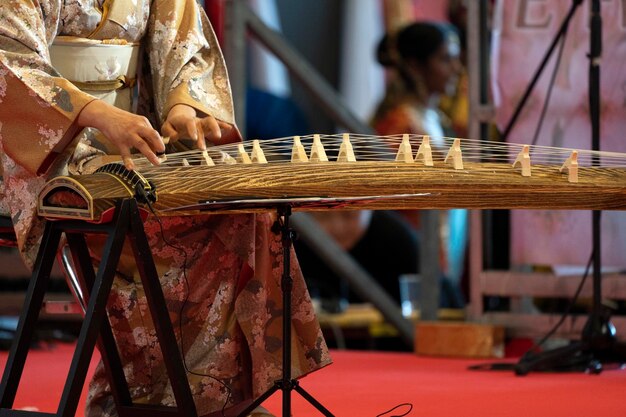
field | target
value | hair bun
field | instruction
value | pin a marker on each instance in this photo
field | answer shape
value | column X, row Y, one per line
column 386, row 51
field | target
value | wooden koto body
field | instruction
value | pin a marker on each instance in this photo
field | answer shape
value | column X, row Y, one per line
column 368, row 184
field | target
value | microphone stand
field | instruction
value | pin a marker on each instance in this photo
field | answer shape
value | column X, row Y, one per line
column 598, row 343
column 286, row 384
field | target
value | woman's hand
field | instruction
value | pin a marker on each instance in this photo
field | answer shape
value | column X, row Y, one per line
column 183, row 123
column 125, row 130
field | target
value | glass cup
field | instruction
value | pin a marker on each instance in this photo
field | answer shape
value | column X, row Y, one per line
column 410, row 295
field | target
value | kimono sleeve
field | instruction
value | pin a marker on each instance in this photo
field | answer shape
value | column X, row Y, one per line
column 186, row 62
column 38, row 108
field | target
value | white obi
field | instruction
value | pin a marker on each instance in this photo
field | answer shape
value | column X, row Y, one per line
column 105, row 69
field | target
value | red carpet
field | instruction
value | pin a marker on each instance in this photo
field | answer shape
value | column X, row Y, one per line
column 369, row 383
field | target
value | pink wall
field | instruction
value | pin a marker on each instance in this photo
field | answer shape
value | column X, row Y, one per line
column 430, row 10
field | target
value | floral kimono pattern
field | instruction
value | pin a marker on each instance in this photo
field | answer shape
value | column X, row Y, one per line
column 222, row 283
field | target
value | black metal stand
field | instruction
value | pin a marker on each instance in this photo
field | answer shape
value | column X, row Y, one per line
column 286, row 384
column 95, row 328
column 598, row 344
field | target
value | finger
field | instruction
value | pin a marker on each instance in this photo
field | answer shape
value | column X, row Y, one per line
column 168, row 131
column 201, row 142
column 143, row 147
column 127, row 160
column 230, row 133
column 211, row 129
column 224, row 125
column 152, row 138
column 190, row 125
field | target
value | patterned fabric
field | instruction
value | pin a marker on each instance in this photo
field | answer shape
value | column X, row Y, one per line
column 222, row 283
column 182, row 64
column 231, row 323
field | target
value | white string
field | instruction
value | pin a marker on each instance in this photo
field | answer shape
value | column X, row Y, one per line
column 384, row 148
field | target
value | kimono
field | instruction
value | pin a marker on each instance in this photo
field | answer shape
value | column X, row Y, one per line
column 222, row 279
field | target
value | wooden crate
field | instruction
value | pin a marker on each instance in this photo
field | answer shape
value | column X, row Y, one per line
column 459, row 339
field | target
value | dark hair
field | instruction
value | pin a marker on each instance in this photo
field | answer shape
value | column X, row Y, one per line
column 417, row 41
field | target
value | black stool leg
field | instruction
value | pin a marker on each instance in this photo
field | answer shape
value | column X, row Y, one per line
column 106, row 341
column 28, row 318
column 94, row 316
column 96, row 326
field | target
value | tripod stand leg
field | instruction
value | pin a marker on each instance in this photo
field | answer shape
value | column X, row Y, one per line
column 311, row 400
column 575, row 357
column 286, row 384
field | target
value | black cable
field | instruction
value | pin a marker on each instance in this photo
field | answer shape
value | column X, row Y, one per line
column 568, row 309
column 396, row 407
column 182, row 307
column 564, row 27
column 555, row 71
column 508, row 366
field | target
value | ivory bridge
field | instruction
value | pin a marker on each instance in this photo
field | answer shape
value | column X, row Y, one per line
column 352, row 172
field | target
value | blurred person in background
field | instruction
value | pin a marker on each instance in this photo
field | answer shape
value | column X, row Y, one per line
column 423, row 61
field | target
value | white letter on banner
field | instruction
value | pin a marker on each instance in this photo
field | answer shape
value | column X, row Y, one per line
column 523, row 20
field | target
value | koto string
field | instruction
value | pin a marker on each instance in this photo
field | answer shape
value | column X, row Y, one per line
column 470, row 148
column 384, row 148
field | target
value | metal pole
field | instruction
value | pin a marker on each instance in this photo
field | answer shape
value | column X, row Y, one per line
column 430, row 249
column 477, row 66
column 595, row 54
column 327, row 97
column 235, row 55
